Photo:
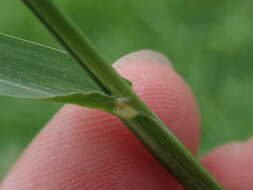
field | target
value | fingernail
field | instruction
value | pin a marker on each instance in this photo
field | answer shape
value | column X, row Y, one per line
column 143, row 55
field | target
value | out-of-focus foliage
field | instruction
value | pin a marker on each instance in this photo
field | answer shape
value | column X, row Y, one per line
column 209, row 42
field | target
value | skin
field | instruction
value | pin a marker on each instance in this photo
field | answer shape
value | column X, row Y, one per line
column 82, row 148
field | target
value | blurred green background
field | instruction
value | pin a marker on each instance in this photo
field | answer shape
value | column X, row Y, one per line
column 209, row 42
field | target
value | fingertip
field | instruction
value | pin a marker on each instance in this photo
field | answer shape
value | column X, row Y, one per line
column 164, row 91
column 232, row 164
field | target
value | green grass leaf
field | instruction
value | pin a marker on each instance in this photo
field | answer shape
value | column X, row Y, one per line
column 31, row 70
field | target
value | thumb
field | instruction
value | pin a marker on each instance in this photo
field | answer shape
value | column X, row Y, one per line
column 82, row 148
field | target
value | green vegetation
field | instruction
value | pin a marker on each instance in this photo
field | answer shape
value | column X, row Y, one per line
column 209, row 42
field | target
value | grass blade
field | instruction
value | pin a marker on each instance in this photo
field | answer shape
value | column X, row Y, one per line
column 31, row 70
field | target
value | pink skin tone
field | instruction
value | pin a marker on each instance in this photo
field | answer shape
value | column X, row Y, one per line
column 82, row 148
